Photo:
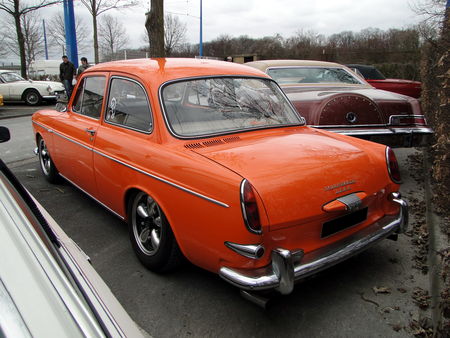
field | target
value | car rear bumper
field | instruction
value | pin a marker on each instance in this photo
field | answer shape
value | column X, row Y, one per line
column 393, row 137
column 287, row 266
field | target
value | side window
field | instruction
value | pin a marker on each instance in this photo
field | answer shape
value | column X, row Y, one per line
column 128, row 105
column 89, row 97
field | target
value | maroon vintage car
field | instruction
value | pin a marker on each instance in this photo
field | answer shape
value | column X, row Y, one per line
column 379, row 81
column 330, row 96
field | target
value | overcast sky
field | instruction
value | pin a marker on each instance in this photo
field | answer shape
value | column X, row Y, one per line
column 259, row 18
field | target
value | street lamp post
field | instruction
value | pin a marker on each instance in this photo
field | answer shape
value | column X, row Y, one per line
column 201, row 29
column 71, row 35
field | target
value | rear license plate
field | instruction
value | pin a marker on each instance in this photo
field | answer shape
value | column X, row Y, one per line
column 338, row 224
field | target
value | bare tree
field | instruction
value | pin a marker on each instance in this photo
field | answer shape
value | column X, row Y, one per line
column 57, row 32
column 155, row 28
column 433, row 10
column 174, row 33
column 112, row 34
column 98, row 7
column 32, row 34
column 18, row 8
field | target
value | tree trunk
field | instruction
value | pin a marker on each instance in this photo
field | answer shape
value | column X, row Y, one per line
column 155, row 28
column 94, row 28
column 20, row 40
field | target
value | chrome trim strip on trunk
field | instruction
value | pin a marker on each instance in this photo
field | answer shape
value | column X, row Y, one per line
column 138, row 170
column 272, row 276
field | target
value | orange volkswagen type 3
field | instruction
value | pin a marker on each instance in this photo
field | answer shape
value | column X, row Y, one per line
column 209, row 160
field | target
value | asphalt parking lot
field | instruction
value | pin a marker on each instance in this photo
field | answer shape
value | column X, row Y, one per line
column 373, row 294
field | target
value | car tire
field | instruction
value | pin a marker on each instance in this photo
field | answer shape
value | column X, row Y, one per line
column 48, row 168
column 32, row 97
column 151, row 235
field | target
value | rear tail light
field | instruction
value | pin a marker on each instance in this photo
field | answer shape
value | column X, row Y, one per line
column 406, row 120
column 249, row 206
column 392, row 166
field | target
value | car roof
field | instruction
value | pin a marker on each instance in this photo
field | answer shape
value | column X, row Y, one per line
column 264, row 64
column 166, row 69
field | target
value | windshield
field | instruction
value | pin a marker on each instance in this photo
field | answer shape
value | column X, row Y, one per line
column 11, row 77
column 201, row 107
column 312, row 75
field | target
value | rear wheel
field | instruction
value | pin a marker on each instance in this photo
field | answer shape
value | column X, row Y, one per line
column 47, row 166
column 151, row 235
column 32, row 97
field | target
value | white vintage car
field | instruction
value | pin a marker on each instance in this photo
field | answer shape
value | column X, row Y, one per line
column 13, row 87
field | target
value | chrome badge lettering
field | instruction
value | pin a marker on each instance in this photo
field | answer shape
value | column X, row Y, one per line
column 340, row 187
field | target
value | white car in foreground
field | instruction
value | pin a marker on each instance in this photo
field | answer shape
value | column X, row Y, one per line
column 48, row 288
column 13, row 87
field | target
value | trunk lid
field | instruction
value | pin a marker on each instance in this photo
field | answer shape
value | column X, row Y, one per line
column 294, row 173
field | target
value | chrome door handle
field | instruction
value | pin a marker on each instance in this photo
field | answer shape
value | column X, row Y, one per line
column 90, row 131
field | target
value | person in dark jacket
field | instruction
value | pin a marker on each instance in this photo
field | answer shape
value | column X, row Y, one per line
column 66, row 73
column 84, row 65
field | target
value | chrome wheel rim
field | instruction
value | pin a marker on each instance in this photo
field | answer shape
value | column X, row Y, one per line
column 32, row 98
column 44, row 157
column 146, row 222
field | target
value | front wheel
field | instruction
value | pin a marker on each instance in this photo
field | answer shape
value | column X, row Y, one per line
column 151, row 235
column 32, row 97
column 47, row 166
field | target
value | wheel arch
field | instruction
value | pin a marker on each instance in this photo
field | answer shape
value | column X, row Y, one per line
column 132, row 191
column 27, row 90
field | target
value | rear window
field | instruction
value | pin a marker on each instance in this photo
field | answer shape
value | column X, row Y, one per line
column 291, row 75
column 202, row 107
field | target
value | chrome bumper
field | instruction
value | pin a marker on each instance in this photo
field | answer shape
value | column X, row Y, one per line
column 393, row 137
column 287, row 267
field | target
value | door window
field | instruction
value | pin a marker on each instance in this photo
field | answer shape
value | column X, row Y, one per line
column 89, row 97
column 128, row 105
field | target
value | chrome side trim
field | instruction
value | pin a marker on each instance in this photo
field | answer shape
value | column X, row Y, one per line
column 276, row 275
column 384, row 131
column 253, row 251
column 73, row 141
column 42, row 126
column 136, row 169
column 163, row 180
column 103, row 205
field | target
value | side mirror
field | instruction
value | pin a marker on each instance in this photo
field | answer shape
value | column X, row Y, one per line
column 4, row 134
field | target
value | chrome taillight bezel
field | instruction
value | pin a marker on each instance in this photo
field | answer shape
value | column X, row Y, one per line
column 393, row 172
column 245, row 183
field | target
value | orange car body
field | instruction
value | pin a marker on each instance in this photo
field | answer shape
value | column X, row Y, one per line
column 301, row 178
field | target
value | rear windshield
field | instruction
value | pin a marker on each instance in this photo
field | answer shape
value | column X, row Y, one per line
column 290, row 75
column 209, row 106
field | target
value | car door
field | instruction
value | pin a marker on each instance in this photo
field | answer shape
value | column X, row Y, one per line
column 124, row 140
column 77, row 132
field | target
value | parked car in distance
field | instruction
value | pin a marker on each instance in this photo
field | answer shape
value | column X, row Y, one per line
column 373, row 76
column 209, row 160
column 48, row 287
column 13, row 87
column 332, row 97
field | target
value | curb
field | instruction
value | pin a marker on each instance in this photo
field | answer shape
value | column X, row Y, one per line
column 434, row 243
column 12, row 116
